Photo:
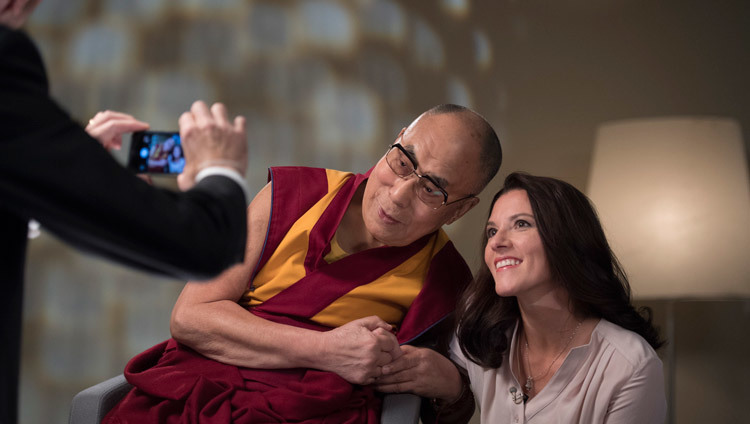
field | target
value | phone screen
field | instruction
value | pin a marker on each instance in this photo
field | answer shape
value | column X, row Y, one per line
column 156, row 152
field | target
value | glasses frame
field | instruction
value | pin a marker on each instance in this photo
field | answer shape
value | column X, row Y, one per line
column 426, row 177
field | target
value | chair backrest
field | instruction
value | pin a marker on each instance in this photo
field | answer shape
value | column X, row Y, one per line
column 400, row 408
column 92, row 404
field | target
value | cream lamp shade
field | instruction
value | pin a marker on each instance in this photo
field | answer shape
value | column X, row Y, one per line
column 673, row 195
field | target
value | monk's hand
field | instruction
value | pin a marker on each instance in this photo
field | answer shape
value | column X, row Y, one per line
column 358, row 350
column 423, row 372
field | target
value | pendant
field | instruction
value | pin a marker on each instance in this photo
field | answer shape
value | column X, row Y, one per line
column 517, row 397
column 529, row 384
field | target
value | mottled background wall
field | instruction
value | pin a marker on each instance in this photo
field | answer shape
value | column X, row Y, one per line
column 330, row 83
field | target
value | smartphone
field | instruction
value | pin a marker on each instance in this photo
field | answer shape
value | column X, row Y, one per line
column 156, row 152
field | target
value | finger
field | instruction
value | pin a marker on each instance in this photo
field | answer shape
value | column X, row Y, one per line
column 408, row 348
column 113, row 143
column 239, row 124
column 383, row 359
column 102, row 118
column 386, row 340
column 382, row 332
column 129, row 125
column 396, row 352
column 110, row 114
column 399, row 377
column 185, row 122
column 187, row 119
column 390, row 387
column 125, row 124
column 185, row 182
column 14, row 13
column 201, row 113
column 18, row 6
column 219, row 112
column 400, row 350
column 146, row 178
column 373, row 322
column 113, row 129
column 373, row 376
column 399, row 365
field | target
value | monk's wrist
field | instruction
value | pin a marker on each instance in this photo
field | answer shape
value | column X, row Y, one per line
column 309, row 347
column 457, row 388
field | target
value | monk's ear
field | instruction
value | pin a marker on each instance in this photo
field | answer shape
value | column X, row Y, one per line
column 403, row 130
column 462, row 209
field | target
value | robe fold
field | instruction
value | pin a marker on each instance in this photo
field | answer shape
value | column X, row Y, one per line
column 412, row 287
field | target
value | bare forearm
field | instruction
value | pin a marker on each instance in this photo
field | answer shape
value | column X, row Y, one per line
column 226, row 332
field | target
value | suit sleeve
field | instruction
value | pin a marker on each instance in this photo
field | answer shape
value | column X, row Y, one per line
column 52, row 171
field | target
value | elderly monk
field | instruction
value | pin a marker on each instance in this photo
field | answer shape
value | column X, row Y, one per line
column 340, row 270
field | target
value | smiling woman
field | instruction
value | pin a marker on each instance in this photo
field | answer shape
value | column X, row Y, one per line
column 514, row 252
column 552, row 308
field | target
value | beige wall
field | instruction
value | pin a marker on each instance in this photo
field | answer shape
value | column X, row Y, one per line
column 330, row 83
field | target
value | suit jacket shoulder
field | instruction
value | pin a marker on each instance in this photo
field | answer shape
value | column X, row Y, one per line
column 52, row 171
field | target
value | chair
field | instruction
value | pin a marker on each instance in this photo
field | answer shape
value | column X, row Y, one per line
column 91, row 405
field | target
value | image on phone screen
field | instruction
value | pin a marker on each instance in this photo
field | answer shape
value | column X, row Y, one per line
column 156, row 152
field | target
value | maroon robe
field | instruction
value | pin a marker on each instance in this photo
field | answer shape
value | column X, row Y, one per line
column 175, row 384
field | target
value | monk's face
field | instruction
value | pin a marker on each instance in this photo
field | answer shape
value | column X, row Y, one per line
column 444, row 148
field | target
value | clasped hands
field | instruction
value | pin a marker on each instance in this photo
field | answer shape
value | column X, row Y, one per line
column 208, row 137
column 365, row 351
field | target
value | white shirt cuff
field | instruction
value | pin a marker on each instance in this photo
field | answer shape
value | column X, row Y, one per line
column 225, row 172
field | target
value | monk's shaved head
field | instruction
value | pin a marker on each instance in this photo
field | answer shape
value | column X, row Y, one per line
column 481, row 131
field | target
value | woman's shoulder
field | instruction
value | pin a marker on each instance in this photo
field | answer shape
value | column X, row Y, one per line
column 626, row 344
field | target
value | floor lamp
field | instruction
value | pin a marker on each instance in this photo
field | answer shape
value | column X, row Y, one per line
column 674, row 198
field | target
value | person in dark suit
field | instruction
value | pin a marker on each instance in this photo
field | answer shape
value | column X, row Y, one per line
column 52, row 171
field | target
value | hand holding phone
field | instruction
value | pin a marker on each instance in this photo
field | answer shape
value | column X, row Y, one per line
column 156, row 152
column 109, row 126
column 211, row 139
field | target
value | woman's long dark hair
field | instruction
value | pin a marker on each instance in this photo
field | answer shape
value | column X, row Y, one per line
column 579, row 257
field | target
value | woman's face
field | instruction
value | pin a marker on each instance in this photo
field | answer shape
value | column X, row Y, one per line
column 514, row 252
column 177, row 151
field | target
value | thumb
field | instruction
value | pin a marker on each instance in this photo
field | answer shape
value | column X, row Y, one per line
column 185, row 182
column 398, row 351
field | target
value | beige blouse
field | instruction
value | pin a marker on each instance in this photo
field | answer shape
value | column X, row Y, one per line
column 615, row 378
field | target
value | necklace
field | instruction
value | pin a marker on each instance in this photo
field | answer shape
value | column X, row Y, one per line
column 529, row 386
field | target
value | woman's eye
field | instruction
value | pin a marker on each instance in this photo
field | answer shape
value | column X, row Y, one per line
column 491, row 232
column 521, row 223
